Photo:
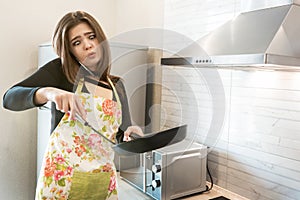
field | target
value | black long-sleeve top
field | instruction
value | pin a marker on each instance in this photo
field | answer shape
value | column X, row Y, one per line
column 21, row 96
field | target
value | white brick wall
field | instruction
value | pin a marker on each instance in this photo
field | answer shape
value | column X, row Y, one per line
column 195, row 18
column 257, row 151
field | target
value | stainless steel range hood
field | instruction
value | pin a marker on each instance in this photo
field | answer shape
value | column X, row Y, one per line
column 268, row 36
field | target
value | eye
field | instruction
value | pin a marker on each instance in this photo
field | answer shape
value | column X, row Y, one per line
column 92, row 36
column 76, row 43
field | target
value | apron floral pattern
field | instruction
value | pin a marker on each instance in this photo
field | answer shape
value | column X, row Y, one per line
column 78, row 162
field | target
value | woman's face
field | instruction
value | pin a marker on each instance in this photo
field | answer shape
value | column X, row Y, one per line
column 85, row 45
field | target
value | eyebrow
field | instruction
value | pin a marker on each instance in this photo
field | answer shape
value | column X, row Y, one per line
column 87, row 33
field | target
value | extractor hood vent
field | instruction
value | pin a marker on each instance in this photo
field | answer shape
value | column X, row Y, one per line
column 262, row 37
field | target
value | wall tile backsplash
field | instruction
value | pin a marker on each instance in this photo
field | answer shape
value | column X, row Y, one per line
column 255, row 139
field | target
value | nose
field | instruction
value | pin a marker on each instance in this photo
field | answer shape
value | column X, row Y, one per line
column 87, row 44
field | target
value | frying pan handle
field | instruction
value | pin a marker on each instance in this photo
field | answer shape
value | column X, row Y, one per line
column 135, row 136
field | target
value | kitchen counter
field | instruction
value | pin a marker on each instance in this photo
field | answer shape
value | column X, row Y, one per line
column 127, row 191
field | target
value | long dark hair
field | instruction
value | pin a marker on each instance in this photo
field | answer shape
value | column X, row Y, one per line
column 62, row 46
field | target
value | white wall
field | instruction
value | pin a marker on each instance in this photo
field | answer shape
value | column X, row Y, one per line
column 133, row 17
column 256, row 154
column 134, row 14
column 24, row 25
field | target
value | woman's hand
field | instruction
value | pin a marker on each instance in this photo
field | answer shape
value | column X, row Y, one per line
column 65, row 101
column 130, row 130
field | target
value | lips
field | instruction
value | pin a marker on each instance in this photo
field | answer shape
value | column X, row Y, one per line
column 91, row 55
column 91, row 59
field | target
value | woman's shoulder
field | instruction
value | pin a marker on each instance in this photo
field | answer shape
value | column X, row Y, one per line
column 53, row 70
column 114, row 78
column 54, row 67
column 117, row 81
column 54, row 64
column 119, row 84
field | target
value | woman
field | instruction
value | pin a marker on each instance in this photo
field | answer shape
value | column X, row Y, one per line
column 78, row 163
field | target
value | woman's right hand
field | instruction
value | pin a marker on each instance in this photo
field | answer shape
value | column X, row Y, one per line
column 65, row 101
column 132, row 129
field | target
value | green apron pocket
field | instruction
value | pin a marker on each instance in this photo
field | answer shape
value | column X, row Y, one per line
column 89, row 186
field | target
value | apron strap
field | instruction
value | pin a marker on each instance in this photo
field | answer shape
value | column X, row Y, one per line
column 115, row 91
column 80, row 86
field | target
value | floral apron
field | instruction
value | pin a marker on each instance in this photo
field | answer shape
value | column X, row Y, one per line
column 78, row 162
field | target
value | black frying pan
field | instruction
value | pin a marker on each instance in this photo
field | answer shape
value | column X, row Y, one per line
column 149, row 142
